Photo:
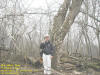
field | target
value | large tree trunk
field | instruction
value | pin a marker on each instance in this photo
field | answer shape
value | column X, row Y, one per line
column 60, row 17
column 62, row 25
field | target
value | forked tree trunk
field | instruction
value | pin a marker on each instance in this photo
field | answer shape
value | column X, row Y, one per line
column 62, row 25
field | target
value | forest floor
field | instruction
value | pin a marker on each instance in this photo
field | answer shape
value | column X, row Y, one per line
column 68, row 65
column 64, row 69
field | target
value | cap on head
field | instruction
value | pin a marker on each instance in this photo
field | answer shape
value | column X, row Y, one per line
column 47, row 35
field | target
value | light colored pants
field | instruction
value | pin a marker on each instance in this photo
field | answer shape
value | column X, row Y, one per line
column 47, row 63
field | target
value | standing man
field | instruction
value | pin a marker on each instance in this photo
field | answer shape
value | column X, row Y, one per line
column 47, row 50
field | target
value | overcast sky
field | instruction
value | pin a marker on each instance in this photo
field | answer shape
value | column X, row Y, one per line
column 42, row 4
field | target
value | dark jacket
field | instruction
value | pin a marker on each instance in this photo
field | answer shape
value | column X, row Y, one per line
column 47, row 48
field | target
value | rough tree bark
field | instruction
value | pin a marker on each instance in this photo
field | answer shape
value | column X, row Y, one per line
column 62, row 25
column 60, row 17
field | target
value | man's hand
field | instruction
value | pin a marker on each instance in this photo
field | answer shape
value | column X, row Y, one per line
column 51, row 57
column 43, row 41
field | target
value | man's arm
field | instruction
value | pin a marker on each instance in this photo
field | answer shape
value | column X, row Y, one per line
column 52, row 50
column 42, row 46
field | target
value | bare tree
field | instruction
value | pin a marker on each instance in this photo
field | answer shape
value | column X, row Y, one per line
column 58, row 35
